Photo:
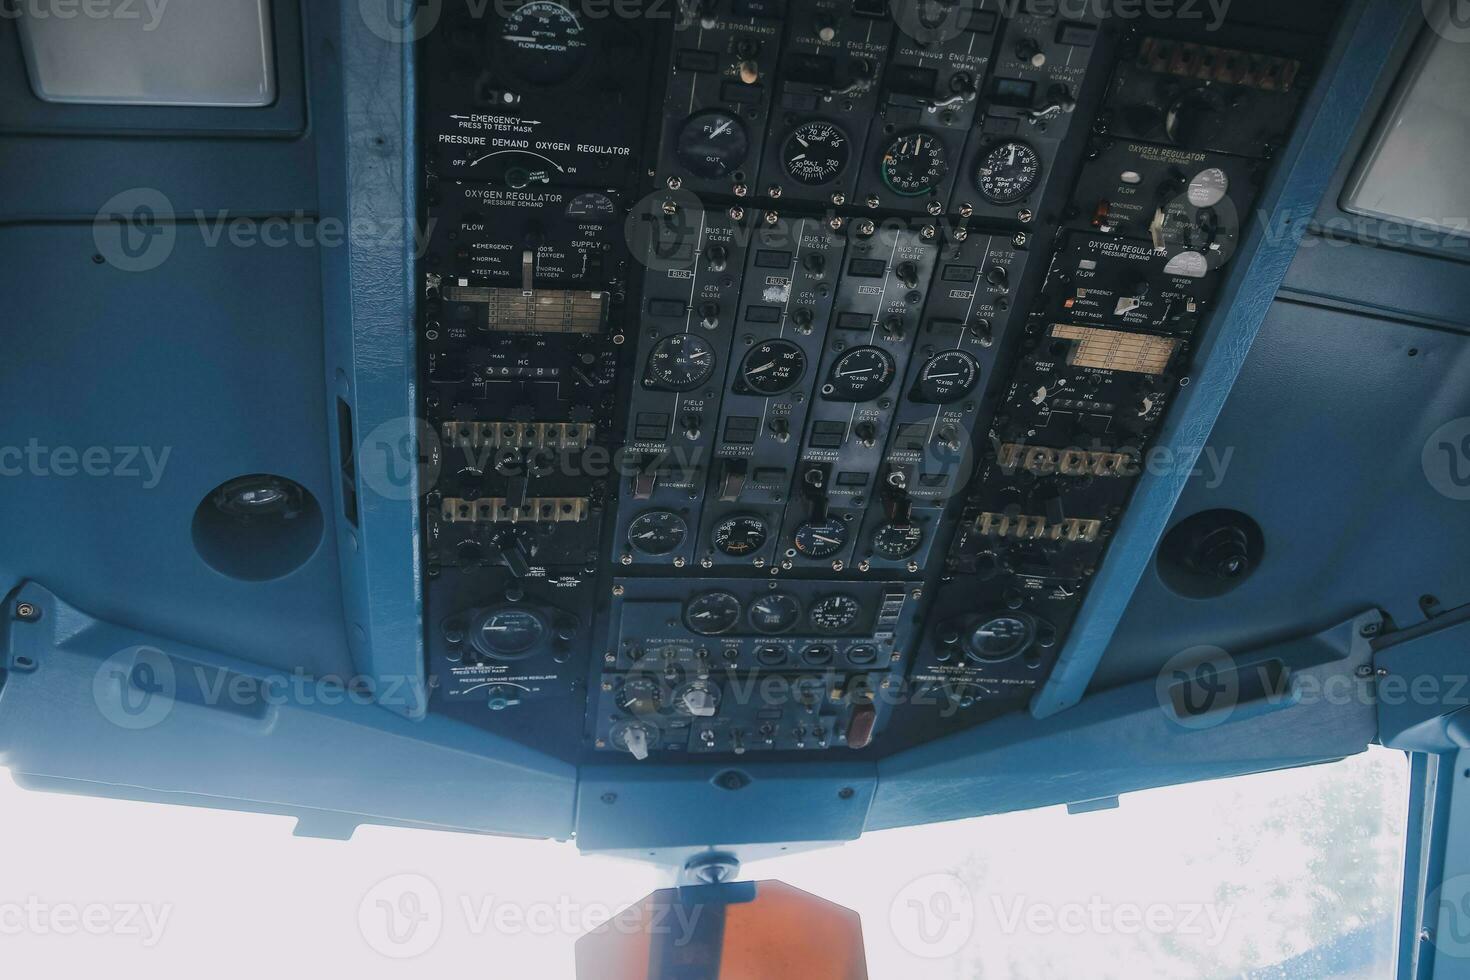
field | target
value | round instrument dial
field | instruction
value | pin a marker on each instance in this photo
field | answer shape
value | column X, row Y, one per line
column 1008, row 172
column 835, row 613
column 710, row 613
column 860, row 375
column 509, row 633
column 712, row 144
column 914, row 164
column 897, row 543
column 592, row 207
column 998, row 638
column 774, row 613
column 772, row 367
column 740, row 535
column 657, row 532
column 948, row 377
column 1208, row 188
column 821, row 539
column 680, row 362
column 640, row 695
column 543, row 43
column 816, row 153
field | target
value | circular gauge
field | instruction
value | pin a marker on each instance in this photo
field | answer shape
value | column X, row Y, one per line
column 897, row 543
column 593, row 207
column 815, row 153
column 509, row 633
column 712, row 143
column 998, row 638
column 543, row 43
column 680, row 362
column 821, row 539
column 698, row 699
column 774, row 613
column 740, row 534
column 711, row 612
column 657, row 532
column 914, row 164
column 861, row 374
column 1208, row 188
column 834, row 613
column 640, row 695
column 948, row 377
column 1008, row 172
column 772, row 367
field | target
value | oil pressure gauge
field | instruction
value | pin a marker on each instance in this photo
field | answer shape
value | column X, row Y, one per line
column 679, row 363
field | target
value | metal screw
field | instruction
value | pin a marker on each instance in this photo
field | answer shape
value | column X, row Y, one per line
column 839, row 199
column 1020, row 240
column 737, row 214
column 845, row 793
column 617, row 590
column 835, row 224
column 927, row 233
column 1364, row 671
column 867, row 228
column 966, row 210
column 679, row 562
column 627, row 559
column 934, row 207
column 670, row 207
column 774, row 191
column 741, row 190
column 960, row 234
column 873, row 201
column 674, row 183
column 1024, row 215
column 609, row 798
column 1369, row 629
column 772, row 217
column 27, row 612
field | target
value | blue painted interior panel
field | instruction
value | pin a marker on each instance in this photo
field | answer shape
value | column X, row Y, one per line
column 192, row 358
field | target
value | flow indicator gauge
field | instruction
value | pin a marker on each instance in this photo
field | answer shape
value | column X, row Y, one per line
column 543, row 43
column 712, row 144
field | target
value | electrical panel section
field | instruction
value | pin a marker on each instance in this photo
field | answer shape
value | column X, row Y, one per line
column 786, row 366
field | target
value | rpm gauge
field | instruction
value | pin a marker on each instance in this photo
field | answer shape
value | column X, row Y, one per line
column 543, row 43
column 679, row 363
column 860, row 375
column 712, row 143
column 834, row 613
column 740, row 535
column 711, row 613
column 657, row 532
column 772, row 367
column 815, row 153
column 1008, row 172
column 774, row 613
column 914, row 164
column 948, row 377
